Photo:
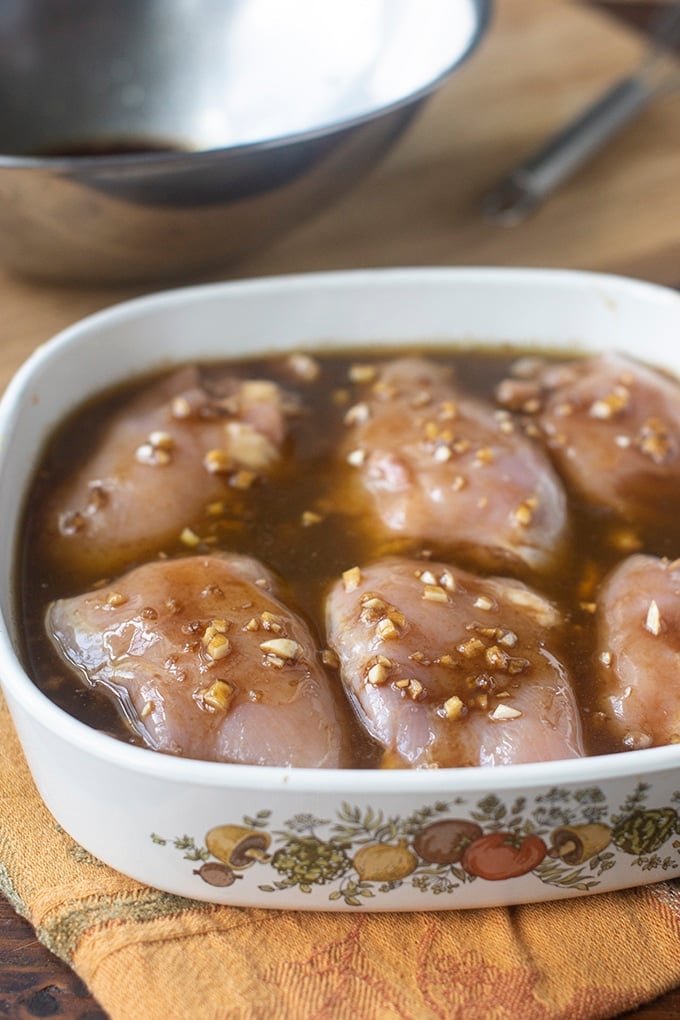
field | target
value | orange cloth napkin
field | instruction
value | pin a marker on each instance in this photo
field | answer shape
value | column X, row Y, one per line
column 144, row 953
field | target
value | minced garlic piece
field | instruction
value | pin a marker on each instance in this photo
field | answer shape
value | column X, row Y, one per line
column 447, row 580
column 654, row 440
column 250, row 448
column 356, row 457
column 218, row 696
column 282, row 648
column 189, row 537
column 214, row 627
column 116, row 598
column 304, row 366
column 180, row 407
column 540, row 610
column 351, row 578
column 309, row 518
column 272, row 622
column 484, row 455
column 434, row 593
column 217, row 462
column 473, row 646
column 441, row 454
column 415, row 688
column 452, row 708
column 412, row 687
column 483, row 602
column 448, row 410
column 377, row 674
column 524, row 514
column 218, row 646
column 149, row 706
column 358, row 414
column 216, row 509
column 362, row 373
column 161, row 440
column 242, row 479
column 386, row 629
column 653, row 621
column 609, row 406
column 503, row 713
column 152, row 456
column 496, row 658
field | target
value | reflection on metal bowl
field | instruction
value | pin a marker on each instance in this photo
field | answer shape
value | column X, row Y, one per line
column 141, row 140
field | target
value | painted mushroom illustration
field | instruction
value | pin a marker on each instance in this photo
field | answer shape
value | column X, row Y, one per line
column 575, row 844
column 237, row 846
column 445, row 842
column 216, row 874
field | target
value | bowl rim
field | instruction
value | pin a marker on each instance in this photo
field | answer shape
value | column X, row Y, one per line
column 20, row 689
column 483, row 10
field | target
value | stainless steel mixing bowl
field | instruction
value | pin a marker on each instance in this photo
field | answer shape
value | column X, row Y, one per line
column 149, row 139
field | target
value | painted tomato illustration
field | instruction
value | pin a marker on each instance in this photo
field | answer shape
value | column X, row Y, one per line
column 502, row 855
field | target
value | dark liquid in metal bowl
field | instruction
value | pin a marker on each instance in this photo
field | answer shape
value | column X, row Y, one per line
column 101, row 147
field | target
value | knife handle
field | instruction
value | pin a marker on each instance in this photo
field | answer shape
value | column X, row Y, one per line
column 539, row 175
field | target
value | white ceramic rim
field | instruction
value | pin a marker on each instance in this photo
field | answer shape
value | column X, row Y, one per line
column 425, row 782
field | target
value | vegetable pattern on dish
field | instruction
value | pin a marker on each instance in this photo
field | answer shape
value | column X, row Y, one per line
column 565, row 838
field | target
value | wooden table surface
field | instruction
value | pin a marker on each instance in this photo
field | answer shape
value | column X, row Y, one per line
column 541, row 61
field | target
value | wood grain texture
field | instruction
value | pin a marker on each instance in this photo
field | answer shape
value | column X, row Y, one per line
column 33, row 982
column 540, row 64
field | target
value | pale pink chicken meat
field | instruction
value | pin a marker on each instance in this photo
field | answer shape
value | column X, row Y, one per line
column 206, row 662
column 448, row 669
column 440, row 466
column 638, row 652
column 187, row 440
column 612, row 427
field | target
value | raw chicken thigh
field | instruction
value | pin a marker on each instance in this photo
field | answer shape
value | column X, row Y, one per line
column 206, row 662
column 185, row 441
column 444, row 467
column 613, row 429
column 638, row 653
column 448, row 669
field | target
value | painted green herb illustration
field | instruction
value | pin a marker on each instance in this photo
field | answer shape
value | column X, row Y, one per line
column 566, row 839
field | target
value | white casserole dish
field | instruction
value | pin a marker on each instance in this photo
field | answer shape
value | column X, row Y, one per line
column 334, row 840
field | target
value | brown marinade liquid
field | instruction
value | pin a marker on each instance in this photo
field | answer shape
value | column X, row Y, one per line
column 264, row 522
